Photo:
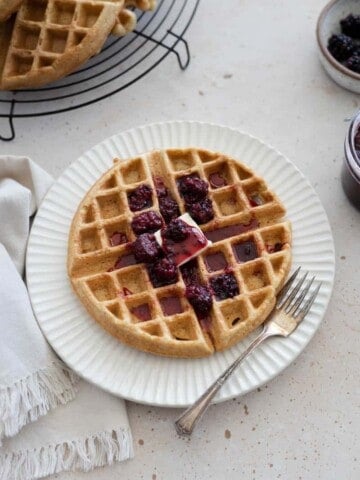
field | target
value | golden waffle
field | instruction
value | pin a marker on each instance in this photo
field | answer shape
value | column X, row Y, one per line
column 7, row 7
column 51, row 38
column 126, row 21
column 246, row 212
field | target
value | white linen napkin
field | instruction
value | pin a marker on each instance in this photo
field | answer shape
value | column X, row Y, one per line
column 56, row 422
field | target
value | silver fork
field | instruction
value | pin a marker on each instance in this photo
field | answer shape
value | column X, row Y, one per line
column 289, row 311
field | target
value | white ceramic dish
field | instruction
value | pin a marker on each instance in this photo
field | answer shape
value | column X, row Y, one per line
column 327, row 25
column 142, row 377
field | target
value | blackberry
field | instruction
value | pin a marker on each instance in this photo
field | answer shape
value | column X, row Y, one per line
column 351, row 26
column 146, row 249
column 147, row 222
column 140, row 198
column 177, row 230
column 357, row 140
column 193, row 189
column 224, row 286
column 200, row 298
column 190, row 272
column 164, row 271
column 201, row 212
column 341, row 47
column 169, row 209
column 353, row 63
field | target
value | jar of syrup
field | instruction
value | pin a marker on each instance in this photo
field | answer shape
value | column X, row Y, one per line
column 350, row 175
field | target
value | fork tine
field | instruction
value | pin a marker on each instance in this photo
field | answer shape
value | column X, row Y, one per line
column 296, row 305
column 305, row 309
column 286, row 287
column 290, row 297
column 288, row 304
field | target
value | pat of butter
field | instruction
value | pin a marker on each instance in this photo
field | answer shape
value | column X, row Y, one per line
column 189, row 248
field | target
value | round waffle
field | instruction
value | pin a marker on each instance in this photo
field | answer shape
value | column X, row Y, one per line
column 251, row 250
column 48, row 39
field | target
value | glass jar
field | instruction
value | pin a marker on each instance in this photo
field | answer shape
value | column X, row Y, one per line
column 350, row 174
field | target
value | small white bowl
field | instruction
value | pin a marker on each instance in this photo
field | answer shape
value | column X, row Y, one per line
column 328, row 24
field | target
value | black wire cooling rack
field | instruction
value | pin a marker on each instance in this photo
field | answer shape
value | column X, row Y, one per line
column 122, row 62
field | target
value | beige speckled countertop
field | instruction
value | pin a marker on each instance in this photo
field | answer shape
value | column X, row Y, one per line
column 254, row 66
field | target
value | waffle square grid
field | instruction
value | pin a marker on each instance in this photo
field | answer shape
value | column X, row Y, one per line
column 114, row 296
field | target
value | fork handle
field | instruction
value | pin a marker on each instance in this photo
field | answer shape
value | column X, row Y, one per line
column 186, row 422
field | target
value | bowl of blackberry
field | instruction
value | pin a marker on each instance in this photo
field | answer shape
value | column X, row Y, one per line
column 338, row 37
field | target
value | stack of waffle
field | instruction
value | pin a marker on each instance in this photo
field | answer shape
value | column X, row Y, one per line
column 240, row 272
column 44, row 40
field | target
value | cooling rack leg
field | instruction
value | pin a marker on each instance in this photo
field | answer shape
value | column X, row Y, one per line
column 183, row 64
column 11, row 124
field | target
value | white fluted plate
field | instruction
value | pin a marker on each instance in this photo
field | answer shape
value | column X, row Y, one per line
column 129, row 373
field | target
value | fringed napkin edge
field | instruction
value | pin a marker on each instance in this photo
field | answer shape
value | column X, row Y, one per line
column 33, row 396
column 96, row 450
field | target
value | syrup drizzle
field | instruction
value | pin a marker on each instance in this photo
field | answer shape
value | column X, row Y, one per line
column 188, row 247
column 245, row 251
column 231, row 230
column 124, row 261
column 217, row 180
column 171, row 305
column 142, row 312
column 277, row 247
column 118, row 238
column 215, row 262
